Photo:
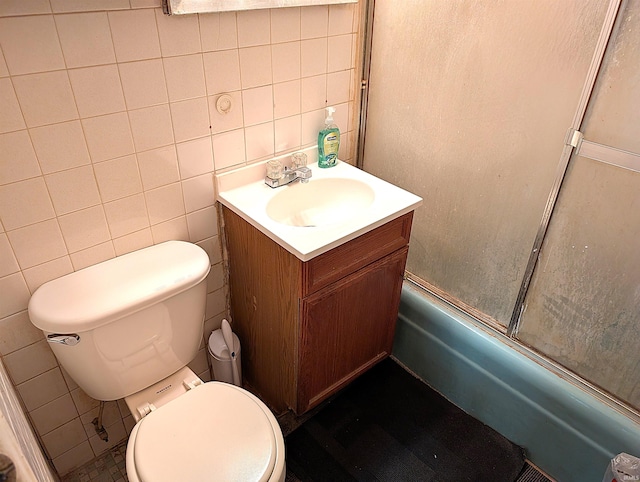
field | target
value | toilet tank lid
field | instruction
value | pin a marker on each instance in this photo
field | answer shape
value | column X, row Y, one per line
column 107, row 291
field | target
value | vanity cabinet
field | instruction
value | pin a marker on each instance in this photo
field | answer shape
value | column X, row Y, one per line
column 309, row 328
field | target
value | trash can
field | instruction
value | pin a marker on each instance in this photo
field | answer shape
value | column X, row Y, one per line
column 221, row 362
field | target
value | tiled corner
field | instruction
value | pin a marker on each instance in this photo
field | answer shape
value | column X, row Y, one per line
column 110, row 134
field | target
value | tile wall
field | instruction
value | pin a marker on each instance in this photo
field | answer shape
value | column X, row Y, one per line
column 109, row 137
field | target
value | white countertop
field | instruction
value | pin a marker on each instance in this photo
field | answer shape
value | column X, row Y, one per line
column 244, row 192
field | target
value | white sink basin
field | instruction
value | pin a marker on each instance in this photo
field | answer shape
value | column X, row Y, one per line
column 307, row 219
column 320, row 202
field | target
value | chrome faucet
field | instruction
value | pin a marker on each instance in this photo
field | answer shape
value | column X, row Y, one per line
column 277, row 177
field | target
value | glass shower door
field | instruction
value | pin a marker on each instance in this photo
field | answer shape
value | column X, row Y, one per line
column 583, row 305
column 469, row 104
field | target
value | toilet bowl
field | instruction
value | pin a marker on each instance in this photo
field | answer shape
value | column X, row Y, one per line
column 127, row 328
column 229, row 429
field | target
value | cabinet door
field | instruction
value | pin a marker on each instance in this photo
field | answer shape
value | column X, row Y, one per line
column 348, row 327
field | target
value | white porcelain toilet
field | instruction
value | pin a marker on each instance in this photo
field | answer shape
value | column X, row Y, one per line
column 128, row 327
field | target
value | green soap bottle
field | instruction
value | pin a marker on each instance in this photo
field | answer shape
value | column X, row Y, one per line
column 328, row 141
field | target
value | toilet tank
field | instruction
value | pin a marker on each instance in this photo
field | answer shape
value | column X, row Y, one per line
column 121, row 325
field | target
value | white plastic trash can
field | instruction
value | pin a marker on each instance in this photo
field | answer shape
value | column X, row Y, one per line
column 221, row 358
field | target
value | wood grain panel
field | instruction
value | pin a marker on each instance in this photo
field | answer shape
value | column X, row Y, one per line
column 347, row 327
column 353, row 255
column 264, row 281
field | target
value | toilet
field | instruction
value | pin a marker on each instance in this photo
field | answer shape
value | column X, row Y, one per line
column 127, row 328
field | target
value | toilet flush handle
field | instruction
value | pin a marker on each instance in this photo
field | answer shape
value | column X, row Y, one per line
column 64, row 339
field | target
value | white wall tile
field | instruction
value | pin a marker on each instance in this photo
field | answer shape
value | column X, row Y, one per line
column 312, row 123
column 339, row 53
column 185, row 77
column 93, row 255
column 165, row 203
column 254, row 27
column 54, row 414
column 108, row 136
column 117, row 433
column 30, row 44
column 260, row 141
column 25, row 202
column 228, row 149
column 198, row 192
column 212, row 247
column 8, row 262
column 4, row 71
column 313, row 56
column 216, row 304
column 288, row 134
column 151, row 127
column 202, row 224
column 143, row 83
column 338, row 87
column 257, row 105
column 97, row 90
column 84, row 229
column 218, row 31
column 110, row 415
column 190, row 119
column 222, row 71
column 17, row 157
column 29, row 362
column 286, row 61
column 179, row 34
column 40, row 274
column 215, row 279
column 10, row 115
column 255, row 66
column 24, row 7
column 340, row 19
column 135, row 35
column 45, row 98
column 44, row 387
column 60, row 6
column 85, row 39
column 285, row 24
column 314, row 93
column 83, row 402
column 71, row 459
column 37, row 243
column 195, row 157
column 233, row 119
column 158, row 167
column 118, row 178
column 314, row 21
column 145, row 3
column 17, row 331
column 287, row 98
column 60, row 146
column 173, row 229
column 64, row 438
column 15, row 295
column 127, row 215
column 133, row 242
column 73, row 189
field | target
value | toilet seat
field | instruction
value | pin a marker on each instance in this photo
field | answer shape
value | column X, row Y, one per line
column 215, row 431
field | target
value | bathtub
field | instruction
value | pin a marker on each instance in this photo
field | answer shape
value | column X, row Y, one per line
column 567, row 430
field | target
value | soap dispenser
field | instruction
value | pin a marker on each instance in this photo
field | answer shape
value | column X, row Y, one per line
column 328, row 141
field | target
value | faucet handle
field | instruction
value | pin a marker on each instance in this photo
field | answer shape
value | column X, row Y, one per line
column 298, row 160
column 274, row 169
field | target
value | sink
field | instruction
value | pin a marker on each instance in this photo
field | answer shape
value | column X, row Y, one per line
column 309, row 219
column 320, row 202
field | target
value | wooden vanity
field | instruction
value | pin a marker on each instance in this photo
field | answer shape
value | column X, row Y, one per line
column 309, row 328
